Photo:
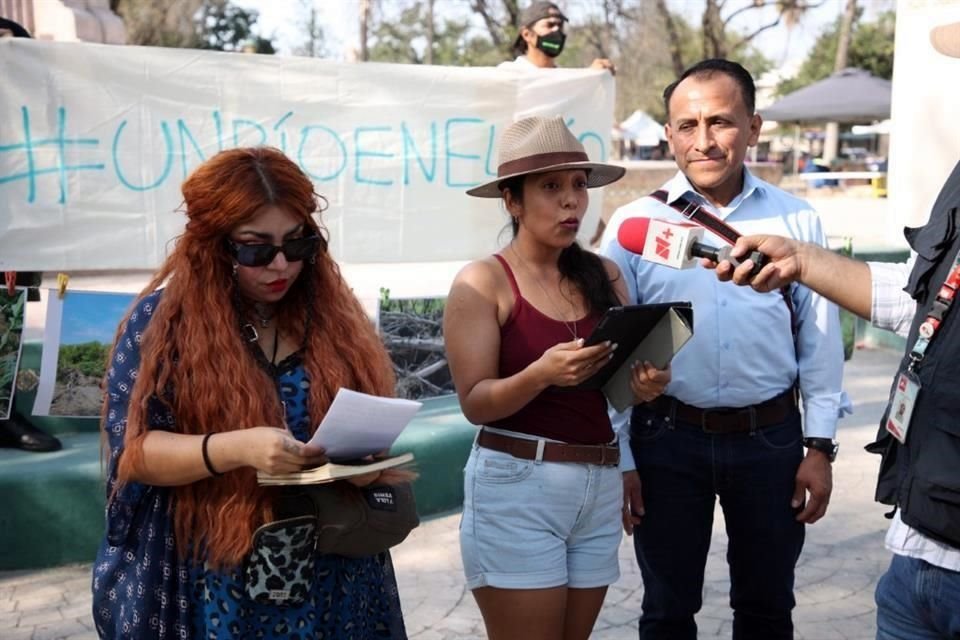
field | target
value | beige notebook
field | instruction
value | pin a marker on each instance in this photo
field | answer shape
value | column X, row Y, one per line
column 333, row 471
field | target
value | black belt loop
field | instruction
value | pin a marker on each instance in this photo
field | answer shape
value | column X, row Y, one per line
column 671, row 417
column 752, row 412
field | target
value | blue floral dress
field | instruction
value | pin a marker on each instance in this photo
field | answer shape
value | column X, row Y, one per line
column 143, row 589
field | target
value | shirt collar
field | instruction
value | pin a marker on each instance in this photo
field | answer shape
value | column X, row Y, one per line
column 679, row 186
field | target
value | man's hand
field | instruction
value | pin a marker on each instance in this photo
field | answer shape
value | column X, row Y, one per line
column 603, row 63
column 785, row 266
column 632, row 501
column 814, row 477
column 647, row 382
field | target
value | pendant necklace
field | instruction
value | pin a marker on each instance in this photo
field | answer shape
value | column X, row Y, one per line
column 264, row 314
column 571, row 326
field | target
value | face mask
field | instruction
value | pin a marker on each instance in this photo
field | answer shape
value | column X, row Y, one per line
column 552, row 43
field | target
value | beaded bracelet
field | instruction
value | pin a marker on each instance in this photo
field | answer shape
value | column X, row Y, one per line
column 206, row 456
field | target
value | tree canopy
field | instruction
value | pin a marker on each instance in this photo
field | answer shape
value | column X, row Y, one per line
column 648, row 41
column 871, row 49
column 194, row 24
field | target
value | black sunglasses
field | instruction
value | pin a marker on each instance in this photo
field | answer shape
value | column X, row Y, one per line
column 260, row 255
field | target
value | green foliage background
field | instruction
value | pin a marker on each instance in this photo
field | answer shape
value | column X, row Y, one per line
column 871, row 49
column 89, row 358
column 11, row 327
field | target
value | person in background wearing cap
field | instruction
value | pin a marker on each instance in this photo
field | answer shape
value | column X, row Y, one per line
column 17, row 432
column 541, row 39
column 729, row 427
column 919, row 436
column 542, row 491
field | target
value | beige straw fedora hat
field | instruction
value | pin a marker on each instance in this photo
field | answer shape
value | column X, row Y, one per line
column 539, row 145
column 946, row 39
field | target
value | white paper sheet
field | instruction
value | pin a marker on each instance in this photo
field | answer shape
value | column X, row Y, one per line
column 358, row 424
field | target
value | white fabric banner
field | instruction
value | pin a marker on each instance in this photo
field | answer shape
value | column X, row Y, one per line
column 95, row 141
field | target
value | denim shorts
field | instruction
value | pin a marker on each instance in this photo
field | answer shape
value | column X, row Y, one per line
column 535, row 525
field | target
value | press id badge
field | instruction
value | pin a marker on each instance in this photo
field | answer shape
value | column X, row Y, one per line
column 901, row 405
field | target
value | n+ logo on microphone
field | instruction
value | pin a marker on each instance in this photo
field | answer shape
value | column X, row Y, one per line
column 663, row 244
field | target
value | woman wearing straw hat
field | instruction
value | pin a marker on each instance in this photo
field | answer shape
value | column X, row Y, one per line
column 543, row 494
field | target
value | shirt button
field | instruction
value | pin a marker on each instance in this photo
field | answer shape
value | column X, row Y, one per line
column 726, row 346
column 723, row 303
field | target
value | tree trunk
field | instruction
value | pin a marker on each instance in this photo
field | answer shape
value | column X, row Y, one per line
column 676, row 52
column 714, row 43
column 430, row 33
column 832, row 135
column 364, row 27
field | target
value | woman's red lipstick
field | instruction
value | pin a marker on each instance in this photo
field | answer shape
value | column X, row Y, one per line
column 277, row 285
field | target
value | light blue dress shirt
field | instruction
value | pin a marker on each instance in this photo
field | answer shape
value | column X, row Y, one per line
column 742, row 351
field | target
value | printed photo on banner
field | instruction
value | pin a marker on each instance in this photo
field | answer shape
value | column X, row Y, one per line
column 12, row 308
column 412, row 330
column 79, row 332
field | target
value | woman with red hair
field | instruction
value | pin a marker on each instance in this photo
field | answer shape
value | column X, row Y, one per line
column 228, row 359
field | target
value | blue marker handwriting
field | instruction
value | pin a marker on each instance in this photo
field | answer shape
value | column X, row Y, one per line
column 455, row 152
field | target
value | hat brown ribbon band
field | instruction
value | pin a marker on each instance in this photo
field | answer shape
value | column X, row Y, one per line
column 540, row 161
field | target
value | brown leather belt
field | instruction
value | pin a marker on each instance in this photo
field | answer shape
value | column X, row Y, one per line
column 723, row 420
column 603, row 454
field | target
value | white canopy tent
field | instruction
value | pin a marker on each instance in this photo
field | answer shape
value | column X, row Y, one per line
column 640, row 129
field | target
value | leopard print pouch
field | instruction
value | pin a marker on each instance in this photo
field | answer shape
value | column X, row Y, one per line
column 280, row 567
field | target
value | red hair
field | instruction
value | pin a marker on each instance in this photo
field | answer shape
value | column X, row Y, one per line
column 192, row 351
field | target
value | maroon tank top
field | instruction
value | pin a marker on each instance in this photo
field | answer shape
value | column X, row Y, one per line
column 569, row 416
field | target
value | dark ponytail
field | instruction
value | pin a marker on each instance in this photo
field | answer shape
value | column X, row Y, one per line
column 584, row 269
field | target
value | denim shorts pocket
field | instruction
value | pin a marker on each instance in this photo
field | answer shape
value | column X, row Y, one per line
column 785, row 436
column 502, row 469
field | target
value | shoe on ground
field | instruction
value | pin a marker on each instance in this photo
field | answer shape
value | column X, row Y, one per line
column 17, row 433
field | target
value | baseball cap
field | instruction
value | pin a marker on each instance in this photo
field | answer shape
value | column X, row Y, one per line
column 538, row 11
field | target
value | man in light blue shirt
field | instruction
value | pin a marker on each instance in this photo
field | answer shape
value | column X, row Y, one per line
column 729, row 425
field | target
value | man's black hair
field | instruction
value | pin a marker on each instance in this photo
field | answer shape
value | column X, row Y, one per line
column 706, row 69
column 15, row 28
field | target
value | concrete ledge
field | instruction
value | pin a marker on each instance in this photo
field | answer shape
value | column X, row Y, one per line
column 53, row 502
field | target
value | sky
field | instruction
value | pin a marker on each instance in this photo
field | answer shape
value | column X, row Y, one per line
column 281, row 19
column 92, row 317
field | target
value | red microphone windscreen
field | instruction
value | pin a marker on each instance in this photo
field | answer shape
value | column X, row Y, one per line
column 632, row 234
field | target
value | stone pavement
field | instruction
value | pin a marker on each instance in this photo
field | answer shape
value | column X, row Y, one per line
column 841, row 562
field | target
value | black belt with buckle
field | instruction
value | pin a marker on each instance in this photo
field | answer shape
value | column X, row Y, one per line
column 723, row 420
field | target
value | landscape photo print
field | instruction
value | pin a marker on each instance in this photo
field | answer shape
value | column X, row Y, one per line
column 78, row 336
column 12, row 309
column 412, row 331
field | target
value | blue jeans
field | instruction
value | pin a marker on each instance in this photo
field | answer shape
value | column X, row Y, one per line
column 683, row 470
column 918, row 601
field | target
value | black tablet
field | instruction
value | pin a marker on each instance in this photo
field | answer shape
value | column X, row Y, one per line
column 628, row 326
